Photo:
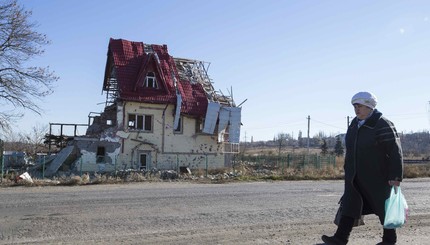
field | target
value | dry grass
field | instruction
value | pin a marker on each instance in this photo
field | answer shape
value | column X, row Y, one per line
column 240, row 172
column 417, row 171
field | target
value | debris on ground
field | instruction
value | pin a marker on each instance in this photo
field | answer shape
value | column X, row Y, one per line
column 25, row 177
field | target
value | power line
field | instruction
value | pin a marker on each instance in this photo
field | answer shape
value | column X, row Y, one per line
column 328, row 124
column 296, row 123
column 280, row 125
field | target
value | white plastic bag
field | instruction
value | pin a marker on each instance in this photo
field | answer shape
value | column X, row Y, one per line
column 396, row 209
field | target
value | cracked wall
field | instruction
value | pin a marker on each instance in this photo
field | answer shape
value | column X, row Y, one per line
column 90, row 161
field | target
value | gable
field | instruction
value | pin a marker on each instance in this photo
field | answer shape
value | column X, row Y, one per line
column 127, row 68
column 131, row 64
column 150, row 71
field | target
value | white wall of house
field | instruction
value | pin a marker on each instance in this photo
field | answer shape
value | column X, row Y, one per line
column 163, row 147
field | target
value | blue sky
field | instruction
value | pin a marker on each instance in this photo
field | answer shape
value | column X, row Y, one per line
column 289, row 59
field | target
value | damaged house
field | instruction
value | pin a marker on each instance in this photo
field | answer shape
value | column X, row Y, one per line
column 160, row 112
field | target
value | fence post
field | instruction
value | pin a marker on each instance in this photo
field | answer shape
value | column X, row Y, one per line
column 116, row 159
column 304, row 160
column 233, row 163
column 2, row 166
column 43, row 168
column 81, row 167
column 177, row 162
column 283, row 164
column 206, row 165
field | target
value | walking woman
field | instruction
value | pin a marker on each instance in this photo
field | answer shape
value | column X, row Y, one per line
column 373, row 163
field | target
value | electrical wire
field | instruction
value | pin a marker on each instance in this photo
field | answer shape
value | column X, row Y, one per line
column 327, row 124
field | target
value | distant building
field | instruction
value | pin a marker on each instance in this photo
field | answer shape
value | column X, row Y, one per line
column 14, row 159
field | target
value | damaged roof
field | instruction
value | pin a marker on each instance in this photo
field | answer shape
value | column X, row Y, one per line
column 129, row 62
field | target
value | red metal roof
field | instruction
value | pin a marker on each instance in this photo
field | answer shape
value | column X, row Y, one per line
column 131, row 64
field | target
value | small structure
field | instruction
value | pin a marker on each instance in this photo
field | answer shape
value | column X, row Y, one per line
column 15, row 160
column 160, row 112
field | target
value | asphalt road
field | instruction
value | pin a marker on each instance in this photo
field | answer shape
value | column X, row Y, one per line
column 288, row 212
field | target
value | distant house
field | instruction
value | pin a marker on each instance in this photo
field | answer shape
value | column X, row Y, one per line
column 160, row 112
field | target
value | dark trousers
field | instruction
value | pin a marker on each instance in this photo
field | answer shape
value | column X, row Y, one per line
column 345, row 227
column 390, row 236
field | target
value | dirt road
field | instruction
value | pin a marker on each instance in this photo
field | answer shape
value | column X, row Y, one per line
column 290, row 212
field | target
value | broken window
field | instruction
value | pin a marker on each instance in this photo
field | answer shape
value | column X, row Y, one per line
column 178, row 129
column 131, row 121
column 150, row 81
column 100, row 157
column 148, row 123
column 223, row 136
column 199, row 125
column 140, row 122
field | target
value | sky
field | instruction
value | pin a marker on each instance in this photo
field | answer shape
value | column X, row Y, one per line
column 286, row 60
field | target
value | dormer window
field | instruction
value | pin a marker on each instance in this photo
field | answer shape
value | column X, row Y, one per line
column 150, row 81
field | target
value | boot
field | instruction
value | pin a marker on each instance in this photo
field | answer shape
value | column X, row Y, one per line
column 342, row 233
column 332, row 240
column 389, row 237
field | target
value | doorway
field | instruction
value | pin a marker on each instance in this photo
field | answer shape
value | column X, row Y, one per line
column 144, row 160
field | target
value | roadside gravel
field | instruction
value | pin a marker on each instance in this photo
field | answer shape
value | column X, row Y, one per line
column 287, row 212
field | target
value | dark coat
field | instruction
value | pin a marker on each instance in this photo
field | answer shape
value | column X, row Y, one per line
column 373, row 157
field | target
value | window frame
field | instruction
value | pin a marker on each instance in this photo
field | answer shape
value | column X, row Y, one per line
column 180, row 128
column 200, row 123
column 151, row 80
column 140, row 122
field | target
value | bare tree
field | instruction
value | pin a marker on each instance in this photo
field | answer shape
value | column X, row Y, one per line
column 11, row 140
column 31, row 142
column 35, row 139
column 281, row 141
column 20, row 85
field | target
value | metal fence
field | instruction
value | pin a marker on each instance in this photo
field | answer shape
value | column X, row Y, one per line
column 287, row 161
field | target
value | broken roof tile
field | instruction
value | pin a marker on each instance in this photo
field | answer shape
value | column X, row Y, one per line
column 131, row 60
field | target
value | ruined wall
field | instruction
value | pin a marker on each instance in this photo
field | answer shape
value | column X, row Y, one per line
column 193, row 161
column 165, row 148
column 103, row 122
column 90, row 162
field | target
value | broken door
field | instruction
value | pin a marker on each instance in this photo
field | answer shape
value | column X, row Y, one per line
column 144, row 160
